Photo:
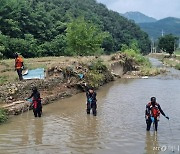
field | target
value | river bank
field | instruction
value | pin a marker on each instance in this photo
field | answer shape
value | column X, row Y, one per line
column 173, row 61
column 119, row 124
column 66, row 77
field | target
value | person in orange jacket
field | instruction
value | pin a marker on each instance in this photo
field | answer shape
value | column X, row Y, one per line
column 19, row 65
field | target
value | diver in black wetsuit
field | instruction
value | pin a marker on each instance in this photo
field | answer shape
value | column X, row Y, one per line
column 91, row 101
column 152, row 113
column 36, row 102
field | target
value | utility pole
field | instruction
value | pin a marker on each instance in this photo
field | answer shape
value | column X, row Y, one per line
column 152, row 45
column 162, row 33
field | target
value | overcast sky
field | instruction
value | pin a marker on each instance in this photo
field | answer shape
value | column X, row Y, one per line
column 154, row 8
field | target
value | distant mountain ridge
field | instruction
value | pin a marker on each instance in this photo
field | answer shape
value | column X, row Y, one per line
column 138, row 17
column 161, row 27
column 155, row 28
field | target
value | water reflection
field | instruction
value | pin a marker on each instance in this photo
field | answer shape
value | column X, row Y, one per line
column 38, row 130
column 25, row 132
column 85, row 136
column 152, row 145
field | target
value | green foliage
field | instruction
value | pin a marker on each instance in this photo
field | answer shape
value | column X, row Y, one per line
column 84, row 38
column 177, row 66
column 3, row 79
column 3, row 116
column 148, row 71
column 134, row 52
column 168, row 43
column 98, row 66
column 38, row 28
column 108, row 44
column 177, row 52
column 95, row 76
column 134, row 46
column 54, row 48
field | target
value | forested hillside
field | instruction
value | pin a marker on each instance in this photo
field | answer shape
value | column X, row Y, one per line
column 39, row 27
column 168, row 25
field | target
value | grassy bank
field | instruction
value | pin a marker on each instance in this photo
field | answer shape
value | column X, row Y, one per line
column 3, row 116
column 144, row 65
column 173, row 61
column 64, row 76
column 177, row 52
column 8, row 73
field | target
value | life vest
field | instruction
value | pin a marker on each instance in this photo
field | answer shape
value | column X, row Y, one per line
column 18, row 62
column 154, row 110
column 35, row 103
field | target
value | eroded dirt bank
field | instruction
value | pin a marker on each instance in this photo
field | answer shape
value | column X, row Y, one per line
column 66, row 79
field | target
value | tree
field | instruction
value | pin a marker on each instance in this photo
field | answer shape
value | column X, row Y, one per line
column 84, row 38
column 38, row 28
column 168, row 43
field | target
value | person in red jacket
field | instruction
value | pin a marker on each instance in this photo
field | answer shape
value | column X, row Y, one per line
column 152, row 113
column 19, row 65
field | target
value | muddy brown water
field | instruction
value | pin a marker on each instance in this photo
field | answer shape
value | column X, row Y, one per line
column 118, row 128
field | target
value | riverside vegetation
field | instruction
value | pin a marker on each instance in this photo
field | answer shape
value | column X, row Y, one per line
column 52, row 29
column 63, row 75
column 171, row 61
column 3, row 116
column 45, row 28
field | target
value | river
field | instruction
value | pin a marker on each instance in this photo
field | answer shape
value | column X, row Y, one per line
column 118, row 128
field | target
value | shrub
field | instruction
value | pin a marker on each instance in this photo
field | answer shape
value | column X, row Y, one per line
column 3, row 116
column 177, row 66
column 3, row 79
column 95, row 76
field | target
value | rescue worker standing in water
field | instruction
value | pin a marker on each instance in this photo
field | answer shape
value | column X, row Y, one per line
column 36, row 102
column 19, row 65
column 152, row 113
column 91, row 101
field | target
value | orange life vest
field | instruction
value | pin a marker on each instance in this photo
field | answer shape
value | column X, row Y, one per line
column 18, row 62
column 154, row 111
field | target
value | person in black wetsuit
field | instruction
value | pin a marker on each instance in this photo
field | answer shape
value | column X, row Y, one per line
column 91, row 101
column 36, row 102
column 152, row 113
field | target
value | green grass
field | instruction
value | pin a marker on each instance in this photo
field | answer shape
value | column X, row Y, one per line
column 177, row 66
column 147, row 71
column 95, row 76
column 177, row 52
column 3, row 116
column 146, row 68
column 139, row 59
column 3, row 79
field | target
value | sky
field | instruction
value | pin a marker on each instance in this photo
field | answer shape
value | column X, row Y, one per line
column 157, row 9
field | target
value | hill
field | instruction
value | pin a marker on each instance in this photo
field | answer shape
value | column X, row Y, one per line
column 38, row 27
column 168, row 25
column 138, row 17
